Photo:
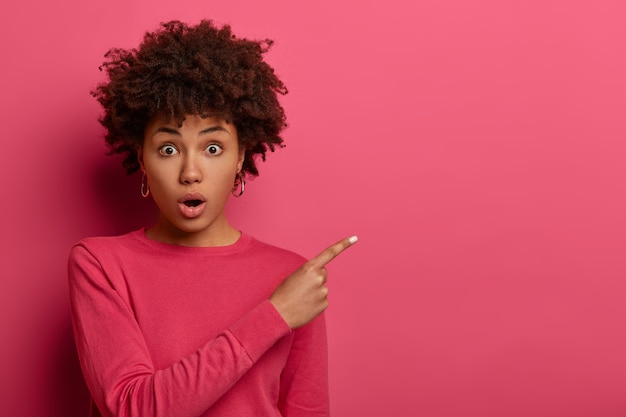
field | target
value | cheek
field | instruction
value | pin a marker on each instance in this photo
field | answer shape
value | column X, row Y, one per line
column 158, row 178
column 224, row 172
column 224, row 180
column 161, row 180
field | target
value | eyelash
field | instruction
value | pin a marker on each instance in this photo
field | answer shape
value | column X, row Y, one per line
column 219, row 149
column 162, row 150
column 218, row 152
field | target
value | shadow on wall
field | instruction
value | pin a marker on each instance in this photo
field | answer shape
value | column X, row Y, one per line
column 111, row 204
column 69, row 394
column 122, row 208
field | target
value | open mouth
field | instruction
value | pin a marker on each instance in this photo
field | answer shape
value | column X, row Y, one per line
column 192, row 203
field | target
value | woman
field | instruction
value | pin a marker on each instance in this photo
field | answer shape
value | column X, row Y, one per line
column 191, row 317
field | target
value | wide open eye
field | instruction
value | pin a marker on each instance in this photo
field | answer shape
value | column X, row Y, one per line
column 168, row 150
column 214, row 149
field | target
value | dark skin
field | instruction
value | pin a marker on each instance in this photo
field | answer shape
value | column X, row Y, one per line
column 190, row 168
column 303, row 295
column 182, row 70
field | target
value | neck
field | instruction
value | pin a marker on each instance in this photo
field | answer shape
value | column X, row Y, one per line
column 217, row 235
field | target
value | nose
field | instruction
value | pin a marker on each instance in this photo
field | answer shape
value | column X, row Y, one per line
column 190, row 171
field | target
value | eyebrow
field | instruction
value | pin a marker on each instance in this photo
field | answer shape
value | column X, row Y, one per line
column 165, row 129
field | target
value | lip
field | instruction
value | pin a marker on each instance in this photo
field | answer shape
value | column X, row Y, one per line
column 191, row 212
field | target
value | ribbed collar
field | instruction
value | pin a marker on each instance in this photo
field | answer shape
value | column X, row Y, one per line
column 241, row 244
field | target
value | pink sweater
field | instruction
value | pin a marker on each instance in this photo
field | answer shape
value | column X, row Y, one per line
column 165, row 330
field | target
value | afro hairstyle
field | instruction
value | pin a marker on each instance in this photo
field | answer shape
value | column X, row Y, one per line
column 180, row 70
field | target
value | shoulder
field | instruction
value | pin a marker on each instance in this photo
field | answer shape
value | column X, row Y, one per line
column 106, row 246
column 275, row 253
column 273, row 250
column 108, row 242
column 102, row 261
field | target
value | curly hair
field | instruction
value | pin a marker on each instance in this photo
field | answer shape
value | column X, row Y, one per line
column 202, row 70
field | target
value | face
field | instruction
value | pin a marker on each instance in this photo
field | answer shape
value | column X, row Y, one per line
column 191, row 171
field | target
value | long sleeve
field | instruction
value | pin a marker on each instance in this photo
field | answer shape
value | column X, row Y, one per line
column 304, row 381
column 116, row 360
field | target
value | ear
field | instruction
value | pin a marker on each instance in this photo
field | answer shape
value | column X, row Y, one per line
column 242, row 156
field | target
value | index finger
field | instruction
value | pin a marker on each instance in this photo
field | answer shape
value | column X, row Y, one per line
column 333, row 251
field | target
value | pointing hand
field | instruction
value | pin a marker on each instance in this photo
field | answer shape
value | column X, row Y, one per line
column 303, row 295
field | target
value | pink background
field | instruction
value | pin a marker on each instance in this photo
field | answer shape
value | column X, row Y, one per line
column 476, row 147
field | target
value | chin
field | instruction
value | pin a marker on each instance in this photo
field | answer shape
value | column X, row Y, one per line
column 195, row 226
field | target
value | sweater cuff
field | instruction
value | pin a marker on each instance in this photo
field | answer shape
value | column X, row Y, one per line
column 260, row 329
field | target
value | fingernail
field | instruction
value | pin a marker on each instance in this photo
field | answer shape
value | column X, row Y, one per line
column 353, row 239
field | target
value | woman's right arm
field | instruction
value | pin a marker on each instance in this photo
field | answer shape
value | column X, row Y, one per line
column 117, row 365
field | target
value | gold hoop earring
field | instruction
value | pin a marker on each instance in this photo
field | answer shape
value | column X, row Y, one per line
column 239, row 181
column 145, row 189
